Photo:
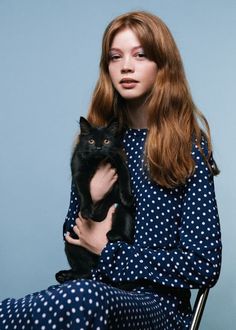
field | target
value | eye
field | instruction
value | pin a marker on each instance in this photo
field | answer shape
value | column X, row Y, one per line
column 106, row 141
column 114, row 56
column 91, row 141
column 140, row 55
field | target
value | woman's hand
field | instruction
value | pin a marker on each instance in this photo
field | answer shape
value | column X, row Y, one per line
column 92, row 235
column 102, row 181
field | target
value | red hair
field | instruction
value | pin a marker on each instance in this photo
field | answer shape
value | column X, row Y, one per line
column 173, row 119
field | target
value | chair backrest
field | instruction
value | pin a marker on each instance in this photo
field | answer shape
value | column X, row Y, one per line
column 198, row 308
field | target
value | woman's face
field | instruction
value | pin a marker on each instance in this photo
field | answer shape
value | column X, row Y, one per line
column 131, row 72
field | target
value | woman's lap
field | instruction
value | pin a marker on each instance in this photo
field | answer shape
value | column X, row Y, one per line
column 85, row 304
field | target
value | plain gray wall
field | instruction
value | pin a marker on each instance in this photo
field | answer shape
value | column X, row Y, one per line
column 49, row 53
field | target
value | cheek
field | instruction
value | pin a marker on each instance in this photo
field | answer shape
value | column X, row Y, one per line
column 150, row 73
column 112, row 73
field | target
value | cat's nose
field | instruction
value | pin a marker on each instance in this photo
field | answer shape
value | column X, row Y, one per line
column 98, row 148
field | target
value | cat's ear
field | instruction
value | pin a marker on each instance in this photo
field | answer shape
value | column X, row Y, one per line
column 85, row 126
column 113, row 126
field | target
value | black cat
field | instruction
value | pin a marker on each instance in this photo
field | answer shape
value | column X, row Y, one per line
column 96, row 145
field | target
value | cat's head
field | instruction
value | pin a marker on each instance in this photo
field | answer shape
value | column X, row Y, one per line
column 98, row 140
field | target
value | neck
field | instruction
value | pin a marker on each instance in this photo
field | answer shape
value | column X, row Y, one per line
column 137, row 113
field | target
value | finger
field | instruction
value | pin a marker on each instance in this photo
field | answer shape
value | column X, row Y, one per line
column 114, row 178
column 71, row 240
column 107, row 166
column 104, row 166
column 112, row 209
column 79, row 220
column 76, row 230
column 108, row 169
column 113, row 171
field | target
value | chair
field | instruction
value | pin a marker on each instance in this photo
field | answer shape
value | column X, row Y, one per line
column 198, row 308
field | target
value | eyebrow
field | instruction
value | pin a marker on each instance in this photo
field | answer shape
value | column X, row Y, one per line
column 115, row 48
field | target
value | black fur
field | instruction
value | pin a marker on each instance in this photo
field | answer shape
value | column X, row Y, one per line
column 98, row 145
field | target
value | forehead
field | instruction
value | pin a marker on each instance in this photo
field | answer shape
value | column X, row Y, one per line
column 125, row 38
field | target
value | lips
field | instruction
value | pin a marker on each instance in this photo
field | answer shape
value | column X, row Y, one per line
column 128, row 83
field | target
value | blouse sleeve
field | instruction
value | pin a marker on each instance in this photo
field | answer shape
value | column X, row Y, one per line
column 196, row 260
column 73, row 211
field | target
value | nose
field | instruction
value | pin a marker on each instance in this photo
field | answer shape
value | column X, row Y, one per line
column 127, row 65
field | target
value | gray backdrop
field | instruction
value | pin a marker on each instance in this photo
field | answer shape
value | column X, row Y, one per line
column 49, row 53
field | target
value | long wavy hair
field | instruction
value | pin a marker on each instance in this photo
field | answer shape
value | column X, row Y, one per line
column 173, row 119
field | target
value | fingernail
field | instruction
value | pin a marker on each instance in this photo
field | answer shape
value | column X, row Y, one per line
column 115, row 205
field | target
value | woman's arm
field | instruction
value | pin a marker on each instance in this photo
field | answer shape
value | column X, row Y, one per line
column 194, row 262
column 92, row 234
column 73, row 210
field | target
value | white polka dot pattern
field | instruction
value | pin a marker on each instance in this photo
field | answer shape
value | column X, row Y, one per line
column 177, row 244
column 87, row 304
column 178, row 241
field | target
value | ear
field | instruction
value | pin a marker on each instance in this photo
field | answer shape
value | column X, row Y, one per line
column 113, row 126
column 85, row 126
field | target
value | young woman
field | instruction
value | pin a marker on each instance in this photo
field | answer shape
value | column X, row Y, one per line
column 177, row 241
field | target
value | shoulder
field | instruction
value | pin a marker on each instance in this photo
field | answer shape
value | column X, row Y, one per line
column 203, row 158
column 200, row 148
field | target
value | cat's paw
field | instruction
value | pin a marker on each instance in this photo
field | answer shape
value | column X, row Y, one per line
column 113, row 237
column 64, row 276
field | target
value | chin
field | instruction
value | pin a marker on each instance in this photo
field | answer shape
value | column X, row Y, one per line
column 134, row 98
column 131, row 96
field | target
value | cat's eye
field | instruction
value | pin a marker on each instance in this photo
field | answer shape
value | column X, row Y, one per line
column 91, row 141
column 106, row 141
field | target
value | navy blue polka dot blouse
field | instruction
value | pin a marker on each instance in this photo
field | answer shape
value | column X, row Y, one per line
column 177, row 247
column 177, row 241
